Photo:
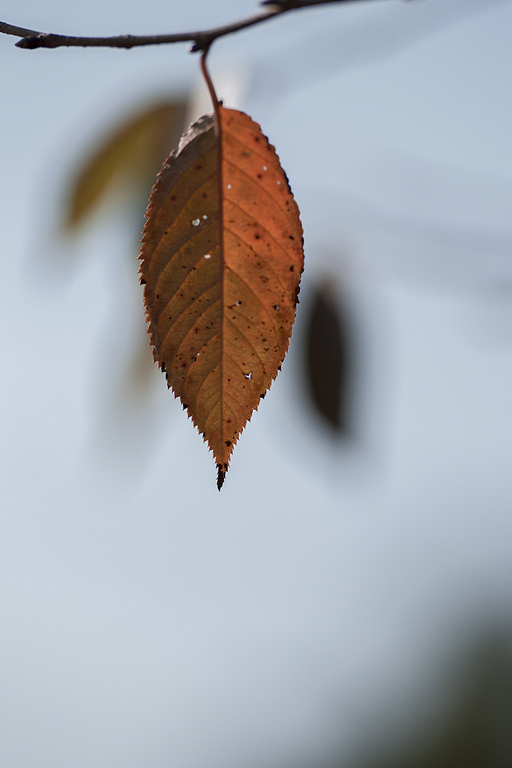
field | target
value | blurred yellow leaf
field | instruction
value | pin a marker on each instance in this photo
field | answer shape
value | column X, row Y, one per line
column 130, row 155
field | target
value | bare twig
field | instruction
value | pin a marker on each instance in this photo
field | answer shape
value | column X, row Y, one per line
column 9, row 29
column 201, row 40
column 290, row 5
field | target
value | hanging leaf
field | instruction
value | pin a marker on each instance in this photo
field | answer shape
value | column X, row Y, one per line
column 131, row 155
column 221, row 264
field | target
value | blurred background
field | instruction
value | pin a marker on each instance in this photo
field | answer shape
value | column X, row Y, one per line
column 345, row 601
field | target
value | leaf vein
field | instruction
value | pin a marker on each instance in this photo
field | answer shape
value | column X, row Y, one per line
column 263, row 258
column 248, row 342
column 234, row 272
column 176, row 254
column 169, row 330
column 260, row 188
column 278, row 245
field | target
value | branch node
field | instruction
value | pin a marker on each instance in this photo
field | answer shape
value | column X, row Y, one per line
column 201, row 44
column 33, row 41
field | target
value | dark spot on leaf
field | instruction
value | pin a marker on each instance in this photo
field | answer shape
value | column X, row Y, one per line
column 228, row 443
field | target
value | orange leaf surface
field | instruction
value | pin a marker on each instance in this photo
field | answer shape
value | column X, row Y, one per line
column 221, row 263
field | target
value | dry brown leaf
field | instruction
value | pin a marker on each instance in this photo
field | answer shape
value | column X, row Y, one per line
column 221, row 263
column 132, row 154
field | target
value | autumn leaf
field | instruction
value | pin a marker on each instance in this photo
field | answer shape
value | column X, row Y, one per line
column 221, row 263
column 131, row 154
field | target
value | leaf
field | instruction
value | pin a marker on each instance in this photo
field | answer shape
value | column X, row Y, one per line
column 328, row 358
column 132, row 154
column 221, row 263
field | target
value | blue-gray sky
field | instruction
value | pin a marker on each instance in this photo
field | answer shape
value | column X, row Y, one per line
column 146, row 619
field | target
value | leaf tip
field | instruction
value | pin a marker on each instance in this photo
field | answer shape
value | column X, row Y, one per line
column 221, row 474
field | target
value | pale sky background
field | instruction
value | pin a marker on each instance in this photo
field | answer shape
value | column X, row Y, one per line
column 147, row 620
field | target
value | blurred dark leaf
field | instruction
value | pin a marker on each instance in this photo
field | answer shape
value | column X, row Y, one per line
column 327, row 358
column 131, row 155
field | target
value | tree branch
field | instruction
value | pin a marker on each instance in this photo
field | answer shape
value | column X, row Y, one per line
column 201, row 40
column 9, row 29
column 290, row 5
